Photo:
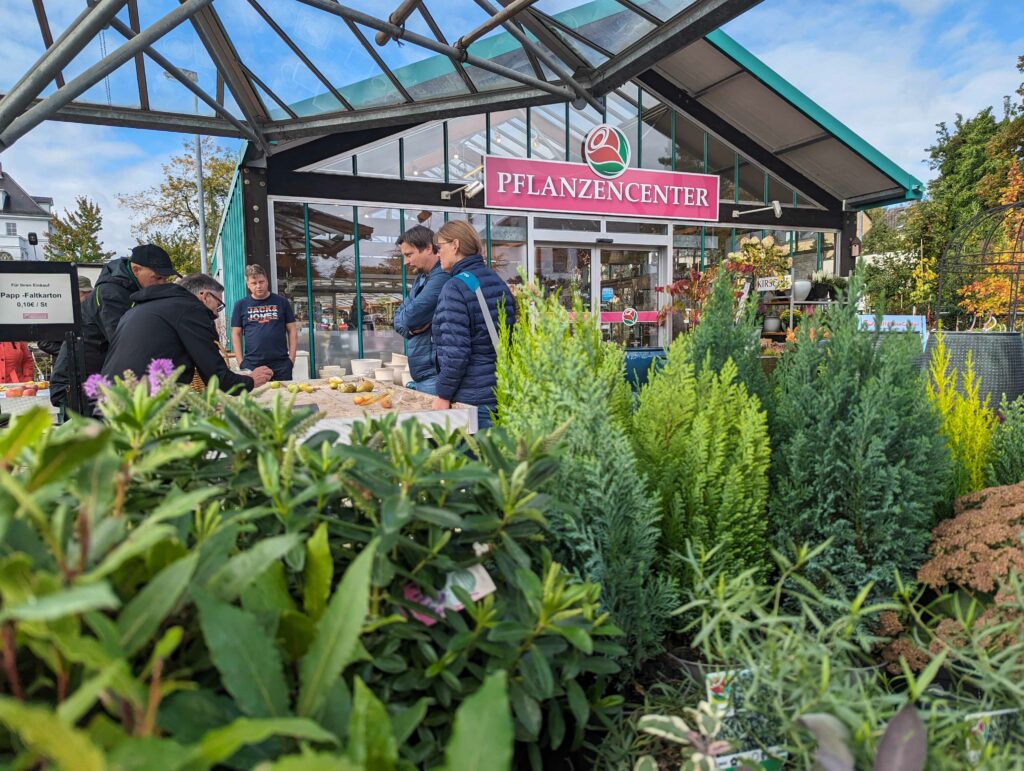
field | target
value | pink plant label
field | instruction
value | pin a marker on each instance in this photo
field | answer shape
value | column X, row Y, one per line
column 576, row 188
column 476, row 581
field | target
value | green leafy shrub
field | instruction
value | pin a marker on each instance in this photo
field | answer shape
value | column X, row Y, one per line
column 1007, row 455
column 702, row 441
column 858, row 457
column 968, row 424
column 727, row 331
column 556, row 374
column 169, row 586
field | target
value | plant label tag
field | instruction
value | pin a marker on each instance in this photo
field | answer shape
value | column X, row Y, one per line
column 769, row 762
column 476, row 581
column 719, row 691
column 772, row 283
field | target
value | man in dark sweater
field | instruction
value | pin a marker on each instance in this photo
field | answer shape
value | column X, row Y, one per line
column 176, row 322
column 148, row 266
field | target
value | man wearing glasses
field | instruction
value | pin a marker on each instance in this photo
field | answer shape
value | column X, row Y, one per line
column 176, row 322
column 265, row 322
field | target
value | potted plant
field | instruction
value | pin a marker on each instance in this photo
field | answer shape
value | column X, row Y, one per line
column 791, row 318
column 760, row 258
column 687, row 297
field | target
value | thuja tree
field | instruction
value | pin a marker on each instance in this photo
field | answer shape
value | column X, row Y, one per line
column 702, row 441
column 858, row 455
column 729, row 330
column 555, row 373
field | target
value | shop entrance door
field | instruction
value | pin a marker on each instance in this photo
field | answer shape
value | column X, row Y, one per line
column 629, row 296
column 617, row 284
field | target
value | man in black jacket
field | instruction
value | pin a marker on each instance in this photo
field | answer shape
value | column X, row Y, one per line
column 176, row 322
column 148, row 266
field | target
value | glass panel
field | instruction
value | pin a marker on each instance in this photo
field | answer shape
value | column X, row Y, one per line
column 633, row 226
column 656, row 139
column 562, row 269
column 751, row 183
column 380, row 281
column 508, row 133
column 332, row 269
column 629, row 279
column 717, row 244
column 805, row 257
column 555, row 223
column 424, row 153
column 828, row 252
column 685, row 250
column 467, row 143
column 608, row 24
column 478, row 221
column 380, row 161
column 689, row 145
column 722, row 161
column 341, row 166
column 424, row 74
column 663, row 9
column 622, row 111
column 508, row 247
column 777, row 191
column 547, row 132
column 501, row 48
column 120, row 88
column 580, row 124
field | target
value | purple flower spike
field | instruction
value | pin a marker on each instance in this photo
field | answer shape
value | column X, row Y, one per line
column 92, row 385
column 159, row 372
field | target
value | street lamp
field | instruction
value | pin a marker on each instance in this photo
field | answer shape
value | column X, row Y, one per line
column 203, row 262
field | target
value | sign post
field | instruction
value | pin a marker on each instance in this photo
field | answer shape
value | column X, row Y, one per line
column 39, row 301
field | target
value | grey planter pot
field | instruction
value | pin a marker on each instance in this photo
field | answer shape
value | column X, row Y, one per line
column 998, row 360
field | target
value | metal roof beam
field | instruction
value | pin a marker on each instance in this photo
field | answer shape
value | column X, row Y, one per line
column 379, row 61
column 217, row 105
column 228, row 63
column 497, row 18
column 459, row 68
column 398, row 114
column 582, row 95
column 736, row 138
column 403, row 12
column 140, row 63
column 61, row 98
column 128, row 117
column 44, row 29
column 400, row 33
column 300, row 53
column 690, row 25
column 71, row 42
column 277, row 100
column 537, row 27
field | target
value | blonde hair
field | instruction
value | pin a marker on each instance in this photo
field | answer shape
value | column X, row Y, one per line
column 465, row 234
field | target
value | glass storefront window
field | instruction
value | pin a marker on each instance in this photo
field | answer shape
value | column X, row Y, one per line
column 424, row 153
column 686, row 248
column 580, row 124
column 380, row 161
column 564, row 269
column 380, row 281
column 751, row 183
column 717, row 244
column 828, row 252
column 558, row 223
column 290, row 251
column 689, row 145
column 622, row 111
column 467, row 144
column 656, row 138
column 547, row 132
column 636, row 226
column 508, row 133
column 722, row 161
column 777, row 191
column 805, row 253
column 508, row 247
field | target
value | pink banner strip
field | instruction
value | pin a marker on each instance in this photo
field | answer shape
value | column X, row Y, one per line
column 642, row 317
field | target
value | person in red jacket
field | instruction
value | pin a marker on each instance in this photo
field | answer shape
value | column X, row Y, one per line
column 16, row 363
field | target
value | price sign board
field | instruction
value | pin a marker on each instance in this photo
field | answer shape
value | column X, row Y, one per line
column 38, row 300
column 773, row 283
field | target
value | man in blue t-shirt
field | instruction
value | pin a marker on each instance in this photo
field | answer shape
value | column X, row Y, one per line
column 266, row 322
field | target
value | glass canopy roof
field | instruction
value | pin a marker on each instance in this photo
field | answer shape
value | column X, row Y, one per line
column 276, row 70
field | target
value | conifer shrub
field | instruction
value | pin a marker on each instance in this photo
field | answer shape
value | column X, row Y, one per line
column 729, row 331
column 968, row 424
column 858, row 457
column 1006, row 466
column 555, row 371
column 702, row 441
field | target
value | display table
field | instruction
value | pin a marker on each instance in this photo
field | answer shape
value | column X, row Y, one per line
column 15, row 405
column 339, row 411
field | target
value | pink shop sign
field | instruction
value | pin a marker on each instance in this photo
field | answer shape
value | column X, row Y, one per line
column 574, row 188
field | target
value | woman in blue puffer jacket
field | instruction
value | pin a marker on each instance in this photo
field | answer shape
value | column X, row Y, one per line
column 466, row 353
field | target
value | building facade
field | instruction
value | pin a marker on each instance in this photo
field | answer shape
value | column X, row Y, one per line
column 23, row 219
column 323, row 215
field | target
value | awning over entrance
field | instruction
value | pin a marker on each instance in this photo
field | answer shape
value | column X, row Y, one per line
column 734, row 86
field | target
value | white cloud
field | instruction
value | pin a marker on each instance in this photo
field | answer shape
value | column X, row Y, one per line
column 889, row 71
column 65, row 160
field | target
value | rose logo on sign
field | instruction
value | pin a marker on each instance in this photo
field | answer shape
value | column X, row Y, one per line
column 606, row 151
column 629, row 317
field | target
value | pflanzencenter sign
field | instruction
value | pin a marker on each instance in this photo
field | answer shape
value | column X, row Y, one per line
column 603, row 185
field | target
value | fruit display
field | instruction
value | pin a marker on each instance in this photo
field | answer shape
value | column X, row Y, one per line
column 32, row 388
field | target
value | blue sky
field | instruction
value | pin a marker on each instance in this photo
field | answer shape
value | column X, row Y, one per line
column 889, row 69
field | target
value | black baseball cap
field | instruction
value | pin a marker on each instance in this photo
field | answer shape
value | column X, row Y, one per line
column 156, row 259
